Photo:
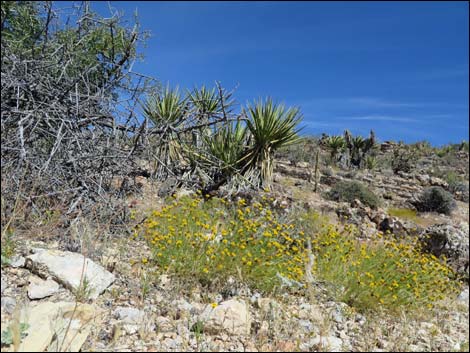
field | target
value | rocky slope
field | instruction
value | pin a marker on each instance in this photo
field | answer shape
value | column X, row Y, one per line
column 122, row 309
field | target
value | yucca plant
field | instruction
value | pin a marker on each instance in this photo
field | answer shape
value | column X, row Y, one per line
column 166, row 111
column 371, row 162
column 227, row 147
column 335, row 144
column 206, row 102
column 357, row 146
column 271, row 126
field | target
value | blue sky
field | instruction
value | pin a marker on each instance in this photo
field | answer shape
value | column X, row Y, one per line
column 400, row 68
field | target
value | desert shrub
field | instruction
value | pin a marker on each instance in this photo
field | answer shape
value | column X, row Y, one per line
column 209, row 241
column 347, row 191
column 8, row 246
column 435, row 199
column 381, row 273
column 328, row 171
column 457, row 185
column 460, row 189
column 464, row 146
column 303, row 151
column 371, row 162
column 403, row 159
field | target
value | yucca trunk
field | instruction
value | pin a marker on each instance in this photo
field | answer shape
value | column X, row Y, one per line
column 267, row 168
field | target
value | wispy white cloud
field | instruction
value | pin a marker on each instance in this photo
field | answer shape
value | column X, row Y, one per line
column 372, row 102
column 381, row 118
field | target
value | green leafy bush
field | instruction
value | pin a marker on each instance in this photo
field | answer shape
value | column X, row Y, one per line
column 347, row 191
column 435, row 199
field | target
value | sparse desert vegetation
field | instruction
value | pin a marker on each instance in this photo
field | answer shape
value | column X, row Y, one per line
column 137, row 217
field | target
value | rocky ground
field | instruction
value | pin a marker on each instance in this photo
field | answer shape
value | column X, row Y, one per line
column 122, row 309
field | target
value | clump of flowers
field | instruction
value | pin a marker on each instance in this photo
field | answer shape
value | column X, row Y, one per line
column 210, row 240
column 381, row 272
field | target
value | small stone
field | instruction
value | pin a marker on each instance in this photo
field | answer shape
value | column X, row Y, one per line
column 129, row 315
column 306, row 325
column 254, row 298
column 231, row 316
column 330, row 344
column 164, row 280
column 463, row 296
column 336, row 313
column 182, row 306
column 164, row 324
column 286, row 346
column 8, row 304
column 131, row 318
column 17, row 261
column 39, row 288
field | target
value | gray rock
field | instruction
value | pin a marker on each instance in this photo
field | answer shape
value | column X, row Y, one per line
column 70, row 269
column 307, row 325
column 129, row 315
column 8, row 304
column 453, row 242
column 17, row 261
column 463, row 296
column 4, row 285
column 329, row 344
column 182, row 306
column 131, row 318
column 39, row 288
column 254, row 298
column 232, row 316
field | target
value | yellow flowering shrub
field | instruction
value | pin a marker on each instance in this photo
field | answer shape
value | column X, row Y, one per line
column 381, row 272
column 209, row 240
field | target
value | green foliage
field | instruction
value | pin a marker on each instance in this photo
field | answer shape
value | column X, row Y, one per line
column 271, row 127
column 91, row 48
column 165, row 109
column 380, row 273
column 7, row 336
column 209, row 241
column 83, row 291
column 422, row 148
column 227, row 145
column 347, row 191
column 8, row 246
column 206, row 101
column 435, row 199
column 302, row 151
column 21, row 25
column 464, row 146
column 335, row 144
column 359, row 148
column 371, row 162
